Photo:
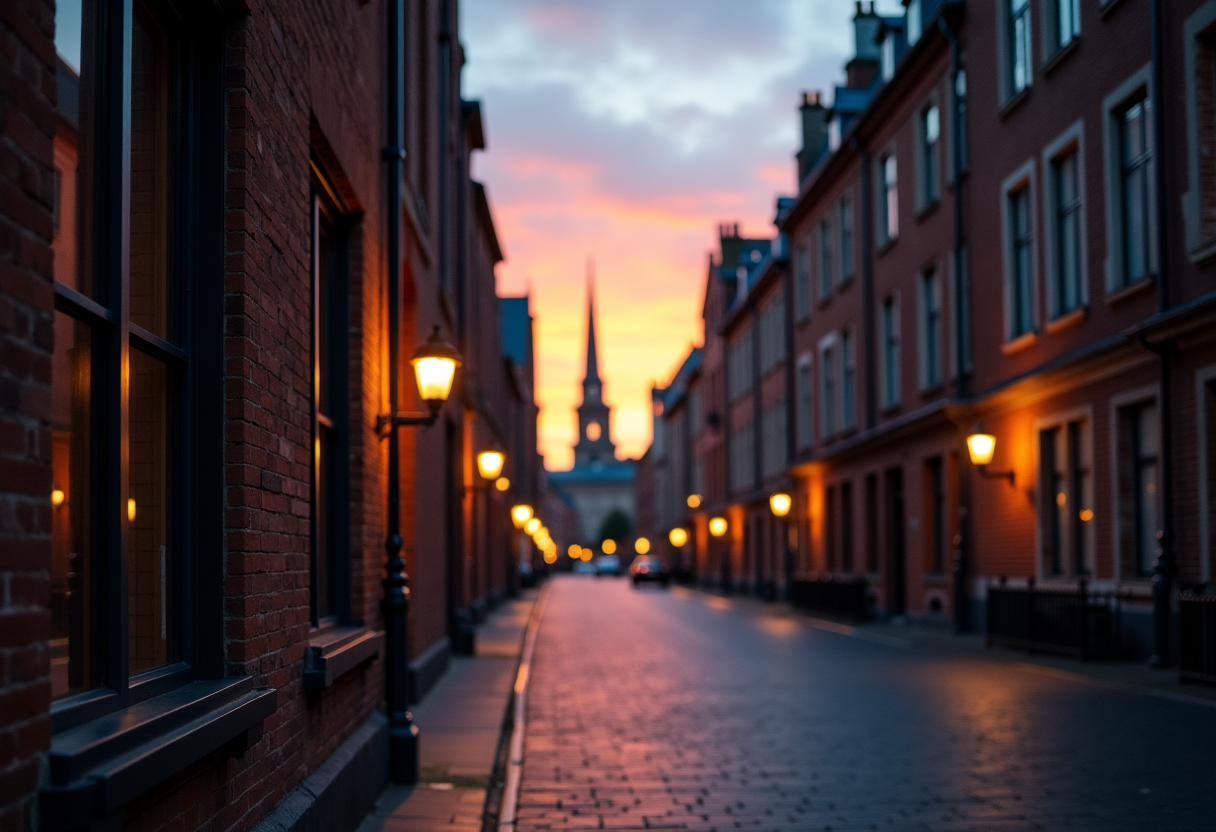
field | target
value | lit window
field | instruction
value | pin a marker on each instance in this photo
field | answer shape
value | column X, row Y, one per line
column 1019, row 45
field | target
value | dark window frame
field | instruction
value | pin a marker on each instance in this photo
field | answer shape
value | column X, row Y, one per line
column 1136, row 171
column 195, row 351
column 1021, row 261
column 1067, row 212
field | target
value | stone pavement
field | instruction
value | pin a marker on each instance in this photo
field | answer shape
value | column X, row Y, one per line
column 680, row 710
column 460, row 722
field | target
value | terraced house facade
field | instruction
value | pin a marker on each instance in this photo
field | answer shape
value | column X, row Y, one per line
column 1001, row 228
column 231, row 556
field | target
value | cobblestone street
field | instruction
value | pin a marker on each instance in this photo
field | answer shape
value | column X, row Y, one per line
column 681, row 710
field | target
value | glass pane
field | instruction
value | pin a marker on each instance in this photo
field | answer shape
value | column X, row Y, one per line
column 71, row 155
column 1147, row 522
column 325, row 527
column 71, row 400
column 150, row 285
column 151, row 556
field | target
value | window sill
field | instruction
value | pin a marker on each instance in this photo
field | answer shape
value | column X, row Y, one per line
column 1061, row 55
column 1066, row 321
column 1012, row 104
column 98, row 767
column 928, row 209
column 1020, row 343
column 334, row 652
column 886, row 245
column 1130, row 290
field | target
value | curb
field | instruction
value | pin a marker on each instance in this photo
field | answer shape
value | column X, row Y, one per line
column 519, row 705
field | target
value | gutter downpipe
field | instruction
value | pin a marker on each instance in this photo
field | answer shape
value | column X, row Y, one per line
column 962, row 599
column 403, row 734
column 1164, row 566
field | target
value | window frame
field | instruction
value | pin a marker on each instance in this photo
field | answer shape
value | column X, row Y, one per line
column 930, row 332
column 1199, row 54
column 847, row 236
column 1021, row 179
column 887, row 203
column 802, row 279
column 1078, row 461
column 1010, row 40
column 1138, row 85
column 848, row 379
column 826, row 273
column 828, row 403
column 1125, row 566
column 929, row 156
column 890, row 381
column 195, row 249
column 1070, row 142
column 805, row 404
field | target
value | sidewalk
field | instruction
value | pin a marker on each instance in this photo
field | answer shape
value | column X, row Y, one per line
column 1129, row 673
column 460, row 722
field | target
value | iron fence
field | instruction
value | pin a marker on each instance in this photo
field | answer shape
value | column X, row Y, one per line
column 1197, row 636
column 1072, row 622
column 842, row 595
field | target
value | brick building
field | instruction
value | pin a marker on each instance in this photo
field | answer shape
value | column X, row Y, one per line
column 1001, row 222
column 218, row 221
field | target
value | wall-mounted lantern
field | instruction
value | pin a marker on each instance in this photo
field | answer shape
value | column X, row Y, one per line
column 981, row 446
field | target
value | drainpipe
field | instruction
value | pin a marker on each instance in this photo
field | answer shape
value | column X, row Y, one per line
column 403, row 734
column 1165, row 566
column 962, row 598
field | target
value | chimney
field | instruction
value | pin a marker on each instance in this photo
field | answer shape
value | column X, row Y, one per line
column 867, row 52
column 814, row 133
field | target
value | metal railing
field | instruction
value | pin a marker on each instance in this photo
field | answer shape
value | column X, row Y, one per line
column 1197, row 635
column 1071, row 622
column 843, row 595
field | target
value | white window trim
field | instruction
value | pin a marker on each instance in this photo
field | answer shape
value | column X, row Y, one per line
column 1061, row 419
column 1203, row 377
column 1140, row 395
column 1140, row 81
column 1024, row 176
column 883, row 370
column 1073, row 138
column 922, row 330
column 1196, row 26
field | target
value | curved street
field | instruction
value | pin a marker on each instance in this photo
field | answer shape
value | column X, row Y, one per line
column 683, row 710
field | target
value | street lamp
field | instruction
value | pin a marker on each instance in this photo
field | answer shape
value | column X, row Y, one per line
column 780, row 504
column 981, row 446
column 717, row 526
column 489, row 464
column 678, row 537
column 521, row 514
column 435, row 363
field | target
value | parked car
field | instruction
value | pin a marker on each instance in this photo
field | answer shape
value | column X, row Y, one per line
column 583, row 567
column 649, row 569
column 607, row 565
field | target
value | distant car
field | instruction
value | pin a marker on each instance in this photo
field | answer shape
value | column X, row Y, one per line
column 607, row 565
column 649, row 569
column 584, row 567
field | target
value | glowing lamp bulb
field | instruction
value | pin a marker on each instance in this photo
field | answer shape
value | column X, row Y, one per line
column 678, row 537
column 981, row 447
column 780, row 504
column 489, row 464
column 717, row 526
column 520, row 515
column 435, row 364
column 641, row 545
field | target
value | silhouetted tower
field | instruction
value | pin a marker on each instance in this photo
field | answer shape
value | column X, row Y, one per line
column 594, row 447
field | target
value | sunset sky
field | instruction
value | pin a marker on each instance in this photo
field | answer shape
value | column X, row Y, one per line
column 627, row 131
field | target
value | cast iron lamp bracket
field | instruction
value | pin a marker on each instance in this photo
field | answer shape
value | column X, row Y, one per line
column 386, row 423
column 996, row 475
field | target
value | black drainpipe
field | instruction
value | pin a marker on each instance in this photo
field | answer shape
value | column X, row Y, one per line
column 1164, row 568
column 403, row 734
column 962, row 597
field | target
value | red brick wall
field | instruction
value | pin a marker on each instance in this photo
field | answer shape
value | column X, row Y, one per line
column 27, row 123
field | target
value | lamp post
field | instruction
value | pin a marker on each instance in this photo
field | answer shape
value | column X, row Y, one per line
column 435, row 364
column 780, row 504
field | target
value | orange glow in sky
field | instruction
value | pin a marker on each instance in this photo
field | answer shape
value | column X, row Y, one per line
column 627, row 132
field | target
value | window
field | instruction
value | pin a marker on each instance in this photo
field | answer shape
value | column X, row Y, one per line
column 889, row 356
column 1067, row 21
column 1065, row 510
column 889, row 199
column 743, row 457
column 930, row 330
column 739, row 369
column 888, row 56
column 846, row 239
column 1018, row 34
column 846, row 526
column 1140, row 514
column 773, row 429
column 804, row 403
column 935, row 526
column 802, row 280
column 1198, row 46
column 930, row 132
column 133, row 429
column 1021, row 320
column 827, row 388
column 825, row 260
column 1067, row 234
column 1135, row 191
column 914, row 22
column 848, row 381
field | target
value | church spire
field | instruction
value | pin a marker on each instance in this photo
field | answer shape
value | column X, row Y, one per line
column 592, row 376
